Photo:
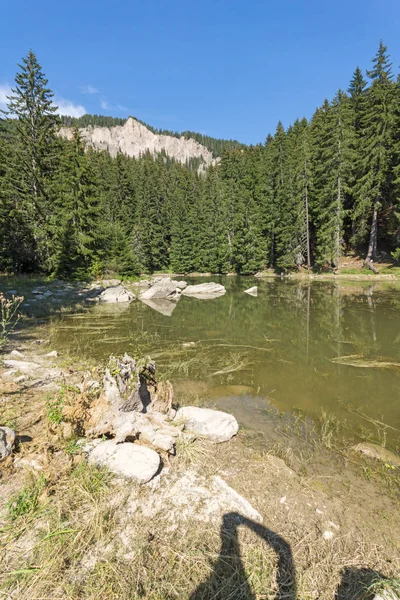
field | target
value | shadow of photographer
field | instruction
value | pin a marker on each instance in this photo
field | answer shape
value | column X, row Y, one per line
column 229, row 579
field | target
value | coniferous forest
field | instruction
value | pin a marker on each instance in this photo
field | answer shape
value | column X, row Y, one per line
column 309, row 194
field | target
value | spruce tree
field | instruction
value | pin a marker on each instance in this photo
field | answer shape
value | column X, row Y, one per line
column 373, row 190
column 36, row 152
column 79, row 244
column 333, row 140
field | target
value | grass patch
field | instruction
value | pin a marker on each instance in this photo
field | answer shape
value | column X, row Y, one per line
column 26, row 501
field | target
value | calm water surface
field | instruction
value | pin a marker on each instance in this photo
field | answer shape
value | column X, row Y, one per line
column 279, row 349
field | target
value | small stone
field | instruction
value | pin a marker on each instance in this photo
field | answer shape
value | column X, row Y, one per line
column 16, row 353
column 328, row 535
column 7, row 440
column 378, row 452
column 52, row 354
column 127, row 459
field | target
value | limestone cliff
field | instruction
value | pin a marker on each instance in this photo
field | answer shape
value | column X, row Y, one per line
column 134, row 139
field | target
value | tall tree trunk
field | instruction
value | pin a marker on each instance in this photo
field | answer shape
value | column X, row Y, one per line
column 373, row 238
column 307, row 230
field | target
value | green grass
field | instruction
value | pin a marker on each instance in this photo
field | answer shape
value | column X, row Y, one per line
column 26, row 501
column 355, row 271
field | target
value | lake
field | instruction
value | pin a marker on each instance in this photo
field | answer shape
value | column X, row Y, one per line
column 322, row 348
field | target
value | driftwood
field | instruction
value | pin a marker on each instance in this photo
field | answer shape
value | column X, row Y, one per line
column 370, row 265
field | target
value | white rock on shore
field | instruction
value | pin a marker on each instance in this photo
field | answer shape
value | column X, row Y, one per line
column 214, row 425
column 127, row 459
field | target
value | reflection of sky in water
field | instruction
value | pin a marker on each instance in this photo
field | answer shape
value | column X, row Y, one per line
column 279, row 345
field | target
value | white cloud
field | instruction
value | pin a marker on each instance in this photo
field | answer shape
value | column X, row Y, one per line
column 5, row 90
column 123, row 108
column 104, row 104
column 89, row 89
column 66, row 107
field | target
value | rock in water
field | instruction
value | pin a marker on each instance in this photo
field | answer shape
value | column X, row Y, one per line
column 127, row 459
column 253, row 291
column 116, row 294
column 214, row 425
column 7, row 440
column 379, row 453
column 163, row 288
column 204, row 290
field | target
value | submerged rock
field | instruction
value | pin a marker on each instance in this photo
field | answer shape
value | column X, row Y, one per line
column 378, row 452
column 116, row 294
column 214, row 425
column 7, row 440
column 127, row 459
column 204, row 290
column 253, row 291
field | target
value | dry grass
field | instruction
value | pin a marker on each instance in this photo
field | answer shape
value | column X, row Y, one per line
column 84, row 537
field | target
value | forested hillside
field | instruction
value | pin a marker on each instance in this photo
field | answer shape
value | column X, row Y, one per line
column 307, row 195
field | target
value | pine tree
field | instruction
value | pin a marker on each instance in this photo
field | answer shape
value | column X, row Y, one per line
column 78, row 239
column 373, row 189
column 36, row 152
column 333, row 134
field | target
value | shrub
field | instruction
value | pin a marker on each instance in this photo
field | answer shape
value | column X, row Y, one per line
column 9, row 315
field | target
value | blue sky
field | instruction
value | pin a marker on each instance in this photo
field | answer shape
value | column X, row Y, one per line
column 227, row 68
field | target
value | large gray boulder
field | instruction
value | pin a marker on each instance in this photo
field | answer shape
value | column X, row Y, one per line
column 116, row 294
column 204, row 290
column 127, row 459
column 163, row 288
column 214, row 425
column 7, row 440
